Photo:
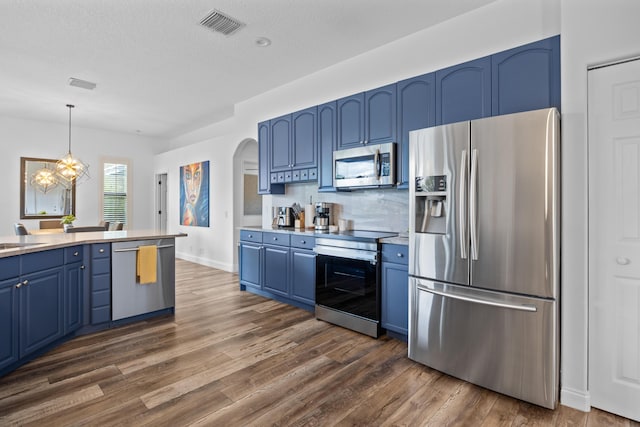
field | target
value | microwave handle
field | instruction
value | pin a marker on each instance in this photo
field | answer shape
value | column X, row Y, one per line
column 377, row 163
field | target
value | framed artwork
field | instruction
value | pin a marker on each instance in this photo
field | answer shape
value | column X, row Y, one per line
column 194, row 194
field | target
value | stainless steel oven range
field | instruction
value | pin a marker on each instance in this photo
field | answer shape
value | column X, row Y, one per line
column 348, row 279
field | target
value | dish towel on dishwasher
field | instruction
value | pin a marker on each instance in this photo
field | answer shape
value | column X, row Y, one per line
column 147, row 264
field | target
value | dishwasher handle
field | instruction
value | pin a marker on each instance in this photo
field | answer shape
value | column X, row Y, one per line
column 136, row 249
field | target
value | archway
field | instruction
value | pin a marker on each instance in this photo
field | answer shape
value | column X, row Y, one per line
column 247, row 204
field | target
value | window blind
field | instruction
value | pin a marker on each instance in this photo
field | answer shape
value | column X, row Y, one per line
column 115, row 193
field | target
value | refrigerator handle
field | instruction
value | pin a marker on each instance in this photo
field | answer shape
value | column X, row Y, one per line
column 462, row 212
column 494, row 303
column 473, row 201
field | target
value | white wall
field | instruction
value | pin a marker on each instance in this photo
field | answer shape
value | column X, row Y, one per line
column 25, row 138
column 593, row 32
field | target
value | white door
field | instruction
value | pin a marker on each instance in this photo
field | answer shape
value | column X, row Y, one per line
column 614, row 238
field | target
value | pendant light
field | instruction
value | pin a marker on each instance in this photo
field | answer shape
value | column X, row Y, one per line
column 44, row 179
column 70, row 169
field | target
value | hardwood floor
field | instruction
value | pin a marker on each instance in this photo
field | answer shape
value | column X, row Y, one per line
column 231, row 358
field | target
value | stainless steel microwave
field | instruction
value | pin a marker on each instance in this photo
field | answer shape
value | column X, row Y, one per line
column 368, row 166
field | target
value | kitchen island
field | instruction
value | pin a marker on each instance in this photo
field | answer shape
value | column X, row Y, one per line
column 57, row 286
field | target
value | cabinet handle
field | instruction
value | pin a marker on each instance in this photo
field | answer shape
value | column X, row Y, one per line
column 19, row 285
column 303, row 241
column 101, row 251
column 82, row 267
column 25, row 282
column 275, row 238
column 250, row 236
column 76, row 254
column 400, row 255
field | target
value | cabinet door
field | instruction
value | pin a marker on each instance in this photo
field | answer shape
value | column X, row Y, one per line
column 351, row 121
column 463, row 92
column 251, row 265
column 280, row 138
column 73, row 274
column 304, row 145
column 8, row 322
column 395, row 297
column 276, row 269
column 328, row 143
column 265, row 184
column 41, row 309
column 380, row 115
column 416, row 110
column 303, row 276
column 526, row 78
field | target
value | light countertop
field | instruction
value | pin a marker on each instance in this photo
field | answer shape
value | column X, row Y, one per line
column 42, row 242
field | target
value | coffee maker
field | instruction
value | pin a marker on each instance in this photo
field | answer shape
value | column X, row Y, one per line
column 284, row 217
column 322, row 219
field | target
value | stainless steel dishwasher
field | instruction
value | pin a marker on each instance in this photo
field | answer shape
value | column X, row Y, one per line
column 130, row 298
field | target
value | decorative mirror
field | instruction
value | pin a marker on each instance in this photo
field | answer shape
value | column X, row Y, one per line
column 42, row 193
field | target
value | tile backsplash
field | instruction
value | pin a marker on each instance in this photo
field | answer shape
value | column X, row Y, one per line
column 380, row 210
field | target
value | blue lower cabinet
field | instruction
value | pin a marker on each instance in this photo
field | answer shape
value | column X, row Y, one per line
column 303, row 276
column 8, row 322
column 74, row 280
column 250, row 257
column 395, row 290
column 100, row 301
column 276, row 269
column 41, row 309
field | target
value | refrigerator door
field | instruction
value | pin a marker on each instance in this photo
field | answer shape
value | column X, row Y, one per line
column 514, row 203
column 438, row 224
column 499, row 341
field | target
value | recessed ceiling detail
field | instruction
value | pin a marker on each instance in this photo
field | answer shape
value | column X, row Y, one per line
column 221, row 23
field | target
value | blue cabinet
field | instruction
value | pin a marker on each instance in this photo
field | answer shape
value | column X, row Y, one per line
column 303, row 269
column 280, row 135
column 416, row 110
column 250, row 259
column 100, row 301
column 526, row 78
column 327, row 143
column 41, row 308
column 350, row 121
column 9, row 272
column 265, row 185
column 278, row 265
column 395, row 290
column 463, row 92
column 73, row 287
column 367, row 118
column 294, row 148
column 304, row 145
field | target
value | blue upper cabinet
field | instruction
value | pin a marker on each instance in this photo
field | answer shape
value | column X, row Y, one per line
column 350, row 113
column 280, row 137
column 327, row 144
column 304, row 147
column 380, row 115
column 527, row 77
column 367, row 118
column 463, row 92
column 265, row 186
column 416, row 110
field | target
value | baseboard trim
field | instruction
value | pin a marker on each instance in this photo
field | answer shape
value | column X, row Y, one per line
column 576, row 399
column 205, row 261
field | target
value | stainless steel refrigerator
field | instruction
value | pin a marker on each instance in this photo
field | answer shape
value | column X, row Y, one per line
column 484, row 252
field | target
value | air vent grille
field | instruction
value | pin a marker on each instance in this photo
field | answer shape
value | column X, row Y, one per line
column 221, row 23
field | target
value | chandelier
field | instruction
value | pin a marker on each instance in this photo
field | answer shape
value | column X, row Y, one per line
column 44, row 179
column 70, row 169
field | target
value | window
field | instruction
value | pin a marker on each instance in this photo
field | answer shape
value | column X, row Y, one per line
column 114, row 197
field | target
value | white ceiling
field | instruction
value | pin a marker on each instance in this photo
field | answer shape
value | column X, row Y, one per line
column 160, row 73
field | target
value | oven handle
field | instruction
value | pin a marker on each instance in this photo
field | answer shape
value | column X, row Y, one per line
column 347, row 253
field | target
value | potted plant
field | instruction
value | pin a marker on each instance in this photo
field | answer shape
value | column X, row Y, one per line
column 67, row 221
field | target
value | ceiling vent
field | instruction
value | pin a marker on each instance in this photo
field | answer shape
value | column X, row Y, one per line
column 221, row 23
column 84, row 84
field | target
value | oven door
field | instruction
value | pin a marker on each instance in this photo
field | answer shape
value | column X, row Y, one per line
column 349, row 285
